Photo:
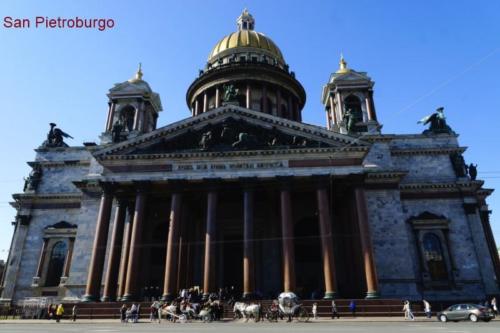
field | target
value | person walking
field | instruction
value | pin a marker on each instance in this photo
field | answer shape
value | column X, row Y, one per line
column 407, row 310
column 315, row 310
column 427, row 309
column 335, row 312
column 59, row 312
column 352, row 308
column 494, row 305
column 123, row 313
column 74, row 312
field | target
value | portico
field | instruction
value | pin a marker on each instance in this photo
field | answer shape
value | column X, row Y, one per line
column 215, row 222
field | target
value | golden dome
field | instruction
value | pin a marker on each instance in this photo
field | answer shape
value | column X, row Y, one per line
column 246, row 39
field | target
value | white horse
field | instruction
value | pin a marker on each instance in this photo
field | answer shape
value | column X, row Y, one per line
column 247, row 311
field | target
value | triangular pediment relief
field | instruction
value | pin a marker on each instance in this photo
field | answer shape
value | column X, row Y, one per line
column 231, row 128
column 352, row 76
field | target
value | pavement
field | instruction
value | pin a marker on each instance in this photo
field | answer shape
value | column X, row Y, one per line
column 350, row 325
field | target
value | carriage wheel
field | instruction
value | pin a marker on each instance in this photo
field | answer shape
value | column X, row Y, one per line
column 303, row 316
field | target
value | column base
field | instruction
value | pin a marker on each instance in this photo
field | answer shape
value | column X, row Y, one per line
column 127, row 298
column 167, row 297
column 330, row 295
column 248, row 296
column 372, row 295
column 108, row 299
column 90, row 298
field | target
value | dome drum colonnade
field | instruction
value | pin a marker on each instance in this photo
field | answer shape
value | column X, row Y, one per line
column 254, row 65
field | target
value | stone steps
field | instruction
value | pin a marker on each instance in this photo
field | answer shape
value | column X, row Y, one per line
column 377, row 307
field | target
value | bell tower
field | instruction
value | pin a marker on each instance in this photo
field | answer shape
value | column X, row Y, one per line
column 348, row 101
column 133, row 110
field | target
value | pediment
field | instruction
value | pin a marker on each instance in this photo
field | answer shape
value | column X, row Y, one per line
column 428, row 216
column 231, row 128
column 352, row 76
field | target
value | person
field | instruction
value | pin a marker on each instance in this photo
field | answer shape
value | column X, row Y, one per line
column 315, row 310
column 123, row 313
column 73, row 312
column 52, row 311
column 494, row 305
column 407, row 311
column 335, row 312
column 352, row 308
column 427, row 308
column 59, row 312
column 154, row 311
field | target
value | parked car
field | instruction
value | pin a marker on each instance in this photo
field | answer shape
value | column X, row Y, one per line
column 472, row 312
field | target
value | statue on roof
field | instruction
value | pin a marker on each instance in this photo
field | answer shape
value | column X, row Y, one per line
column 55, row 137
column 31, row 183
column 230, row 93
column 437, row 123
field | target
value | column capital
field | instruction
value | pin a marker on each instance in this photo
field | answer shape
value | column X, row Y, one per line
column 142, row 186
column 285, row 182
column 321, row 181
column 212, row 184
column 177, row 185
column 107, row 187
column 249, row 183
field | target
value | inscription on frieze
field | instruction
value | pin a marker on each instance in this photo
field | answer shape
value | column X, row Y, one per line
column 228, row 166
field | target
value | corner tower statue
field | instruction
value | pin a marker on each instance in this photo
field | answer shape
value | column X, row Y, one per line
column 242, row 193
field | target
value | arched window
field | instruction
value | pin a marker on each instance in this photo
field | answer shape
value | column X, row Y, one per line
column 354, row 104
column 269, row 105
column 56, row 264
column 127, row 116
column 434, row 257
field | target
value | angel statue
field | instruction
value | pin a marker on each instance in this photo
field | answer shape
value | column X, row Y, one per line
column 437, row 122
column 55, row 137
column 230, row 93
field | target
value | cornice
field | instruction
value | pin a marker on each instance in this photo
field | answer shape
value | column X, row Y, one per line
column 428, row 151
column 215, row 154
column 59, row 163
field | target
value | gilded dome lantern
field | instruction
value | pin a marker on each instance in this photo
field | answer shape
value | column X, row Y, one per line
column 253, row 66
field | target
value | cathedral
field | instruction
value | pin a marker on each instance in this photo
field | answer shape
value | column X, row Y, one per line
column 243, row 194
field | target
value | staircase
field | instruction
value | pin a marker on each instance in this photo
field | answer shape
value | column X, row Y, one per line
column 364, row 308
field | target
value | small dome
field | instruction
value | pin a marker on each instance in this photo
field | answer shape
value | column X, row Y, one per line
column 138, row 82
column 242, row 39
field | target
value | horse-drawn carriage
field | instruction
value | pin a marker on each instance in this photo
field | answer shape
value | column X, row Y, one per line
column 287, row 306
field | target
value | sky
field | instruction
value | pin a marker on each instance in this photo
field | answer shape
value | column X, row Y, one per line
column 421, row 54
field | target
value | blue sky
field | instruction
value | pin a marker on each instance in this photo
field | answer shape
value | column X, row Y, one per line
column 421, row 54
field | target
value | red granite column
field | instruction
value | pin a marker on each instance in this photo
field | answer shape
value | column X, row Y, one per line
column 287, row 236
column 366, row 245
column 249, row 97
column 248, row 244
column 325, row 230
column 115, row 248
column 122, row 275
column 196, row 107
column 94, row 277
column 264, row 100
column 130, row 292
column 209, row 269
column 278, row 105
column 172, row 248
column 217, row 97
column 205, row 102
